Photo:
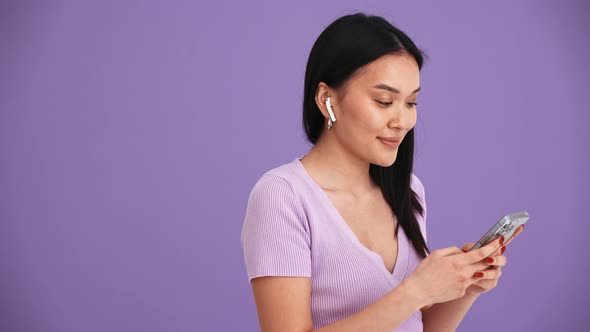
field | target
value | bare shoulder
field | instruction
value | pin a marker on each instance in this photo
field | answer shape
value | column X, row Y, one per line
column 283, row 303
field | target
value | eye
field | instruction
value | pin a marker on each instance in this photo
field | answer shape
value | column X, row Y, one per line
column 384, row 103
column 412, row 104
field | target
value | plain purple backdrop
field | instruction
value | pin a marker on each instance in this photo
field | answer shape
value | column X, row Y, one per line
column 131, row 134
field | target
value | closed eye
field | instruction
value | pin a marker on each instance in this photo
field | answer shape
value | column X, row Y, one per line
column 384, row 103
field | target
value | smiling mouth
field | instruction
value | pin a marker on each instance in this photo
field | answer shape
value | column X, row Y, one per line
column 388, row 143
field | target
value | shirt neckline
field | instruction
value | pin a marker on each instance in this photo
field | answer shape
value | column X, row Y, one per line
column 401, row 263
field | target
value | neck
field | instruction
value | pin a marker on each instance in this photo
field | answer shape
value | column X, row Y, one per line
column 336, row 169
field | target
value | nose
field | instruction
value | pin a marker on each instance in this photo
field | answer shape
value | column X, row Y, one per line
column 401, row 117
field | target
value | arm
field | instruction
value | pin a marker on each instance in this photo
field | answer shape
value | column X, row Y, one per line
column 284, row 304
column 447, row 316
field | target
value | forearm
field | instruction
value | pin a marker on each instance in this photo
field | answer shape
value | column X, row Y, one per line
column 385, row 315
column 446, row 316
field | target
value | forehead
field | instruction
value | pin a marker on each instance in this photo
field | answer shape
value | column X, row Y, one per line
column 399, row 70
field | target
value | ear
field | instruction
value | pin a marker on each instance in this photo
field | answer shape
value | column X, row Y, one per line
column 322, row 93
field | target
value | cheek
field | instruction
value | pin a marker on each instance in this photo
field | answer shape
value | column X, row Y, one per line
column 371, row 118
column 368, row 122
column 376, row 120
column 366, row 119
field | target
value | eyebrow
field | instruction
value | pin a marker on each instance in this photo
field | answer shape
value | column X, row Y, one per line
column 390, row 89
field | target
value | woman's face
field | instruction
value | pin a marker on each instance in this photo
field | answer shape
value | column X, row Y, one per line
column 378, row 103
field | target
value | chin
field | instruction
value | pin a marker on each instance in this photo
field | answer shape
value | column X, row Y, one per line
column 386, row 162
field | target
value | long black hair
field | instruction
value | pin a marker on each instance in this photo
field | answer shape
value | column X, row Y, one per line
column 347, row 44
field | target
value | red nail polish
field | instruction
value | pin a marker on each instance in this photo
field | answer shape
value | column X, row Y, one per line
column 502, row 240
column 478, row 275
column 502, row 249
column 489, row 260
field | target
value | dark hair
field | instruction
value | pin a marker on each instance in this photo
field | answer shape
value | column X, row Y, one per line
column 346, row 45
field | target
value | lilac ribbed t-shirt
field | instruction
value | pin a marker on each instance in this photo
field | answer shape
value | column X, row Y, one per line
column 292, row 228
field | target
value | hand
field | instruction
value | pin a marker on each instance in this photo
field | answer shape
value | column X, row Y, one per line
column 446, row 273
column 493, row 271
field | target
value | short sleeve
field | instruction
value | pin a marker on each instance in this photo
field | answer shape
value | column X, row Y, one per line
column 418, row 187
column 275, row 235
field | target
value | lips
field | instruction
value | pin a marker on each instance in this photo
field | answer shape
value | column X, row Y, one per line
column 390, row 143
column 390, row 139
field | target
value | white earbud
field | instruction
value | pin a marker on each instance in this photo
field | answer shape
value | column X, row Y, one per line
column 330, row 111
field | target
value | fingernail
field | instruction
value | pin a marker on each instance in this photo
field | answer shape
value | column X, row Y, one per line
column 502, row 240
column 489, row 260
column 502, row 249
column 478, row 275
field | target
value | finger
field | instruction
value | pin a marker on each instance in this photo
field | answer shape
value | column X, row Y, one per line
column 447, row 251
column 490, row 267
column 483, row 252
column 496, row 260
column 499, row 252
column 518, row 231
column 488, row 274
column 486, row 284
column 467, row 246
column 479, row 266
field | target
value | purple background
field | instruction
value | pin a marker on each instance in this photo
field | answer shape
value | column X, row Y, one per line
column 132, row 133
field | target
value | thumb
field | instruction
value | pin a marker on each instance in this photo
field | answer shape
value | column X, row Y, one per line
column 467, row 246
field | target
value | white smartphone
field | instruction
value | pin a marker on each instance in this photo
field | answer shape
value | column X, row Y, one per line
column 505, row 227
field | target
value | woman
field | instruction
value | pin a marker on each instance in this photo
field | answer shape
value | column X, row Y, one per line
column 322, row 240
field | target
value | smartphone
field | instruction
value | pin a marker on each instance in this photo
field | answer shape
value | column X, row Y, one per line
column 505, row 227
